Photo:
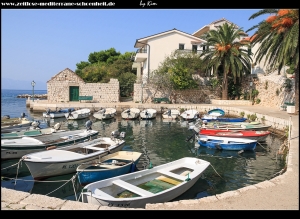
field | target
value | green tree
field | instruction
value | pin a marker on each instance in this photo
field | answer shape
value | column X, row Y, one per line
column 278, row 39
column 176, row 72
column 126, row 81
column 226, row 51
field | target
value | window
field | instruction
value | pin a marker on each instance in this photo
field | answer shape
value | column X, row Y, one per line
column 194, row 48
column 203, row 48
column 249, row 51
column 181, row 46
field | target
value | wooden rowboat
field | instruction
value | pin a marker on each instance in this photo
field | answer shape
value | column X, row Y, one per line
column 156, row 185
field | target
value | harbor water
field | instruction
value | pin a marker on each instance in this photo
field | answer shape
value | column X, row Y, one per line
column 160, row 141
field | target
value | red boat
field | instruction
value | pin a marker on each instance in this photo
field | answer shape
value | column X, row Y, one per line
column 256, row 135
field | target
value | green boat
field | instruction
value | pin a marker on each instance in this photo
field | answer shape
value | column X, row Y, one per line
column 31, row 132
column 236, row 126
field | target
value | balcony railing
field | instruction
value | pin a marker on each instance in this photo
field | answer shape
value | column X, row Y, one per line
column 189, row 51
column 142, row 50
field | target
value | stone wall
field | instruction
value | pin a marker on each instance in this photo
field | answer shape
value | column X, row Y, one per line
column 102, row 92
column 58, row 88
column 200, row 95
column 266, row 86
column 270, row 92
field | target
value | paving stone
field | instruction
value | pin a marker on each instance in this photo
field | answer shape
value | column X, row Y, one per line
column 212, row 198
column 12, row 196
column 43, row 201
column 264, row 184
column 244, row 189
column 17, row 206
column 228, row 195
column 73, row 205
column 34, row 207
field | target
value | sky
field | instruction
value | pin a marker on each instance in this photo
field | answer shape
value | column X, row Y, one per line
column 36, row 44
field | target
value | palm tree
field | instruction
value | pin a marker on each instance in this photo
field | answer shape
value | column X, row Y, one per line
column 278, row 40
column 227, row 53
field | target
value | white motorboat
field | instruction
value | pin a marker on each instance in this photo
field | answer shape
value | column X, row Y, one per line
column 32, row 131
column 148, row 113
column 105, row 113
column 18, row 147
column 78, row 114
column 9, row 124
column 57, row 113
column 156, row 185
column 171, row 114
column 190, row 114
column 131, row 113
column 65, row 160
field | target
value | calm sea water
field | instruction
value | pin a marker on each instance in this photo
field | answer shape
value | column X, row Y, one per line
column 160, row 141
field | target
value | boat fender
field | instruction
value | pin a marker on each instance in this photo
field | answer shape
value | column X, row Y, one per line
column 51, row 147
column 122, row 135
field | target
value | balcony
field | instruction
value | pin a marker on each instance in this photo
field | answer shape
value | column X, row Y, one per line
column 141, row 55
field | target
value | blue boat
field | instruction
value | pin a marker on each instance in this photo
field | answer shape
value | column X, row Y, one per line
column 225, row 143
column 111, row 165
column 216, row 112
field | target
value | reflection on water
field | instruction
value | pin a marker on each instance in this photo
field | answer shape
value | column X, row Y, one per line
column 160, row 141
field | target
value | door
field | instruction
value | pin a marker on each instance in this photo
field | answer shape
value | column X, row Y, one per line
column 74, row 93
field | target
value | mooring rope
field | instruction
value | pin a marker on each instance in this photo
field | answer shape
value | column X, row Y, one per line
column 217, row 172
column 61, row 185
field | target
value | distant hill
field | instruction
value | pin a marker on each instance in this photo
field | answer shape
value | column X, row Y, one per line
column 7, row 83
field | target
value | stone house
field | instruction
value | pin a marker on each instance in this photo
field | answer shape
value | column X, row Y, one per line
column 67, row 86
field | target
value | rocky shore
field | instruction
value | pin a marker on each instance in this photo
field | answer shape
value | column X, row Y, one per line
column 37, row 96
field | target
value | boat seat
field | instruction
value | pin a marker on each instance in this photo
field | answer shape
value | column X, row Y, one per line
column 99, row 192
column 132, row 188
column 173, row 175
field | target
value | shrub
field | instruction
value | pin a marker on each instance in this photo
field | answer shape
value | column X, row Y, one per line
column 242, row 114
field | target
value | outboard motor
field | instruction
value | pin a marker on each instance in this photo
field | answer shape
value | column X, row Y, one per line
column 122, row 135
column 48, row 111
column 70, row 113
column 115, row 133
column 23, row 115
column 169, row 112
column 88, row 125
column 35, row 124
column 57, row 126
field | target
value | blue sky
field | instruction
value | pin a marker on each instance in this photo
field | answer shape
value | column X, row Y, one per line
column 36, row 44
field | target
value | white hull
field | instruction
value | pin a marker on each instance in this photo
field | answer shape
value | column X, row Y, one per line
column 104, row 192
column 131, row 113
column 173, row 115
column 148, row 114
column 16, row 148
column 58, row 114
column 109, row 113
column 57, row 162
column 78, row 114
column 190, row 114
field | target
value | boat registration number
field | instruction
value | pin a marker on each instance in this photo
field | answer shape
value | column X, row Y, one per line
column 118, row 205
column 72, row 166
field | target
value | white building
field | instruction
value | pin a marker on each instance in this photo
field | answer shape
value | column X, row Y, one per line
column 152, row 50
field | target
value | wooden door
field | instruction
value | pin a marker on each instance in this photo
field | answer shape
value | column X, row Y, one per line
column 74, row 93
